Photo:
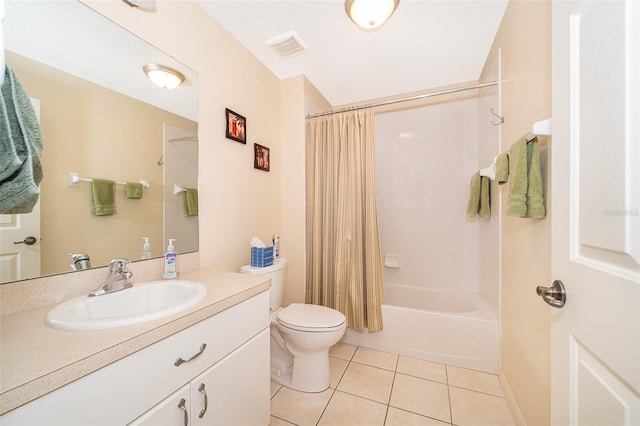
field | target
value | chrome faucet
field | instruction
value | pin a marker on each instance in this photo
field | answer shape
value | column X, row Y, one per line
column 116, row 278
column 81, row 261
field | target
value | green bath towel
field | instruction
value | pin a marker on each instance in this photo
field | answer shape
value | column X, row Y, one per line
column 535, row 202
column 103, row 197
column 190, row 205
column 134, row 190
column 525, row 180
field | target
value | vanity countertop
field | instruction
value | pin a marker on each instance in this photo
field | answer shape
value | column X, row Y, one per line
column 36, row 359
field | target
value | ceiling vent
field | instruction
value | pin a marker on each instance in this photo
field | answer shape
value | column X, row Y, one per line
column 287, row 45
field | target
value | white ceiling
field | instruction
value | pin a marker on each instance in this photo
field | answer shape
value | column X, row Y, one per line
column 71, row 37
column 425, row 44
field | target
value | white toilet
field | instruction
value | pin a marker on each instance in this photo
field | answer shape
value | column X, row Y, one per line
column 301, row 335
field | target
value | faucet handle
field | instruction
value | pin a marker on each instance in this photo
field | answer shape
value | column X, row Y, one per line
column 117, row 266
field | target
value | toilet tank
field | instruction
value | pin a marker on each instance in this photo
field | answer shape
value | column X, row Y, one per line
column 278, row 274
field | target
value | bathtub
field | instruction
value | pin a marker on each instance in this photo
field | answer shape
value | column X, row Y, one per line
column 449, row 328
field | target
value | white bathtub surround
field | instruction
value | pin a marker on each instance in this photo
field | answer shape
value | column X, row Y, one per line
column 454, row 328
column 342, row 218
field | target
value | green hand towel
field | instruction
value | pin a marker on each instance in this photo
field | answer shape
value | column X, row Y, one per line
column 502, row 168
column 103, row 197
column 485, row 197
column 134, row 190
column 190, row 206
column 474, row 195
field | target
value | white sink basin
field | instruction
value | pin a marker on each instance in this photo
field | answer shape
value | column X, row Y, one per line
column 140, row 303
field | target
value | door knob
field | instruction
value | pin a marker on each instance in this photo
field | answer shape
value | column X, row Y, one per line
column 555, row 295
column 28, row 241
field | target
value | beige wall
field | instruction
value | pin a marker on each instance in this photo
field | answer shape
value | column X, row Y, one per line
column 236, row 200
column 524, row 38
column 295, row 92
column 96, row 133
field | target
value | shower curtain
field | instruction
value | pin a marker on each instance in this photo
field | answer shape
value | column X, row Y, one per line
column 344, row 267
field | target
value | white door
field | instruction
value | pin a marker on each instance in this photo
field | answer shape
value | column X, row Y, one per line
column 20, row 260
column 595, row 370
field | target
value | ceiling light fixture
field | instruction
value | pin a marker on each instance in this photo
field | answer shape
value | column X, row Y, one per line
column 163, row 76
column 370, row 14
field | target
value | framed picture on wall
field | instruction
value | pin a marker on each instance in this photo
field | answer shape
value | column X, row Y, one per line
column 261, row 158
column 236, row 126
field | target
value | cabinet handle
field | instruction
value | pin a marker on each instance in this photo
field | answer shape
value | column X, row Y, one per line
column 180, row 360
column 206, row 400
column 182, row 406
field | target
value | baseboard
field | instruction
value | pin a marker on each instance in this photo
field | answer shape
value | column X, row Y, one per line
column 513, row 404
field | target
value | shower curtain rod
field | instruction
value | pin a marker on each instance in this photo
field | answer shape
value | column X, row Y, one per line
column 410, row 98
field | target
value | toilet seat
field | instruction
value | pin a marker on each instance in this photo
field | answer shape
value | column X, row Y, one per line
column 310, row 318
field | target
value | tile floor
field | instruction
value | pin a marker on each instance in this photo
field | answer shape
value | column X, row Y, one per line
column 370, row 387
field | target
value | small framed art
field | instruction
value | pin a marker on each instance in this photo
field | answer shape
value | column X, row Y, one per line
column 236, row 126
column 261, row 158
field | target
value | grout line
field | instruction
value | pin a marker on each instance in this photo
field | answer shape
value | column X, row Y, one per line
column 478, row 391
column 446, row 373
column 395, row 373
column 325, row 407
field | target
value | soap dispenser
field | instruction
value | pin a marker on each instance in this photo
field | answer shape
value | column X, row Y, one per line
column 170, row 257
column 145, row 253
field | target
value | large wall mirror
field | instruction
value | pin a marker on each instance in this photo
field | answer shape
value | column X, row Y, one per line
column 101, row 118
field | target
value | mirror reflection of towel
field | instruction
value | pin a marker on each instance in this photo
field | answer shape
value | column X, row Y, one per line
column 103, row 197
column 190, row 205
column 134, row 190
column 21, row 144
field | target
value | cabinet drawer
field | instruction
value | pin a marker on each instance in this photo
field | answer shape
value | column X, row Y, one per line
column 125, row 389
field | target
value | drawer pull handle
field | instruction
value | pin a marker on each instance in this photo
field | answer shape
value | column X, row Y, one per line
column 182, row 406
column 180, row 360
column 206, row 400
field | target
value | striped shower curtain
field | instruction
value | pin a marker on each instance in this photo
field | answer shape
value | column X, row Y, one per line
column 344, row 268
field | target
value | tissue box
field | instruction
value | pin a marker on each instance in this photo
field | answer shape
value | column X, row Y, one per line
column 261, row 257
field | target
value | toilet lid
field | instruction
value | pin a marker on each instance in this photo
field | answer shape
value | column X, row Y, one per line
column 307, row 317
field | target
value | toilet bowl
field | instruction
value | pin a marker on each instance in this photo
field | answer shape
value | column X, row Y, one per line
column 301, row 335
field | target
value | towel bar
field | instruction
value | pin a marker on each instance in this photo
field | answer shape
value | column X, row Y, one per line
column 74, row 179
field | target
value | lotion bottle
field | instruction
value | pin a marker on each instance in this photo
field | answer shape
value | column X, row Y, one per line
column 170, row 267
column 146, row 249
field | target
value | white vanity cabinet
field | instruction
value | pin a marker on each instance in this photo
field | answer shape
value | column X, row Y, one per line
column 173, row 410
column 225, row 394
column 228, row 353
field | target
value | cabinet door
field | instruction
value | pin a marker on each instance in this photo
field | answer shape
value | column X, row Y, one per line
column 235, row 390
column 174, row 410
